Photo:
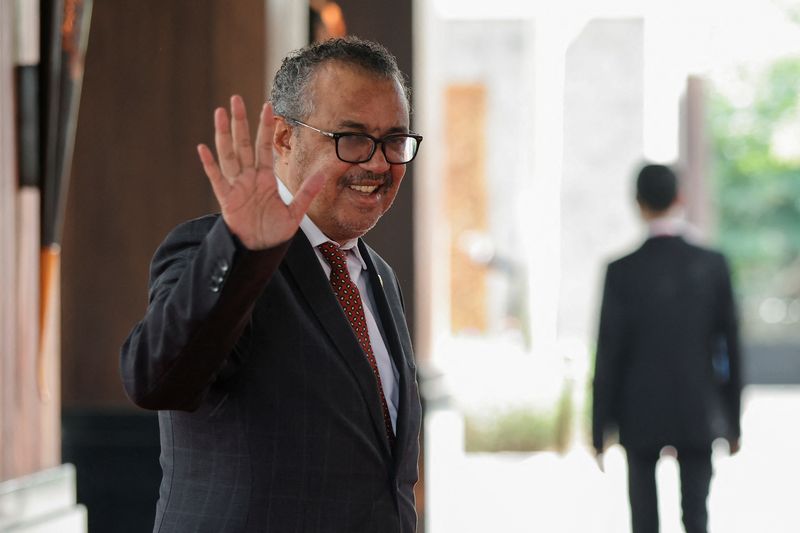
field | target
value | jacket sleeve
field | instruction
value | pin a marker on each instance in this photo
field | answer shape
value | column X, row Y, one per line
column 610, row 348
column 203, row 286
column 729, row 329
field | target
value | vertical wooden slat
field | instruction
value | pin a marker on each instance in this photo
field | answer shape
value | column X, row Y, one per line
column 30, row 408
column 28, row 443
column 48, row 366
column 8, row 229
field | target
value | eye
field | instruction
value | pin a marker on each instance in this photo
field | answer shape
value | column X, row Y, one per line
column 356, row 139
column 395, row 142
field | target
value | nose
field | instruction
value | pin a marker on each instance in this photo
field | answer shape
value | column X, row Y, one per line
column 377, row 163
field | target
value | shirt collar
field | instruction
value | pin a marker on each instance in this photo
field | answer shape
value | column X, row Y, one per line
column 666, row 226
column 312, row 232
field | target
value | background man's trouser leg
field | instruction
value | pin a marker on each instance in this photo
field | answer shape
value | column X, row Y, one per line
column 695, row 465
column 642, row 490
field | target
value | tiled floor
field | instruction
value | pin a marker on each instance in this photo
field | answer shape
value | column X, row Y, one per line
column 757, row 490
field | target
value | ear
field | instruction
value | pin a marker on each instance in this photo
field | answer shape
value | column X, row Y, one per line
column 644, row 212
column 282, row 139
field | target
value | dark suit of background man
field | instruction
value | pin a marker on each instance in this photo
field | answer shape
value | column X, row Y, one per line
column 277, row 413
column 667, row 318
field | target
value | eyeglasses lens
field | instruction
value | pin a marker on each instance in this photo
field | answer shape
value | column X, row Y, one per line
column 356, row 148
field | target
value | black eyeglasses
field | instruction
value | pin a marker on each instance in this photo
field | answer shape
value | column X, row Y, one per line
column 352, row 147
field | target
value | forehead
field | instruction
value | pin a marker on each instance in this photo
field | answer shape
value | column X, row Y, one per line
column 346, row 93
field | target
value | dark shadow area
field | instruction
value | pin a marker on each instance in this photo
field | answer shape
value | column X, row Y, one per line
column 115, row 454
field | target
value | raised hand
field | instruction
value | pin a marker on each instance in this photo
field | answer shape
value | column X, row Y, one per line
column 244, row 182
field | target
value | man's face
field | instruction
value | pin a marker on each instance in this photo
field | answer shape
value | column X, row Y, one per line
column 346, row 99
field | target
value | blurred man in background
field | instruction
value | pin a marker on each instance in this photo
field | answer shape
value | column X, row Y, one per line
column 668, row 357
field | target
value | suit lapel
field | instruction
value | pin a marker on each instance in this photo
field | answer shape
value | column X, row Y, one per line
column 304, row 266
column 389, row 323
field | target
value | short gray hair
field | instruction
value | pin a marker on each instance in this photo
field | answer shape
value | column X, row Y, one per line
column 291, row 95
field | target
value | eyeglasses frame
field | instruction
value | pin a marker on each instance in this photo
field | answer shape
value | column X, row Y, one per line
column 375, row 141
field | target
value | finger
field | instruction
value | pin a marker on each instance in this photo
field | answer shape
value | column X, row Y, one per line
column 228, row 162
column 241, row 132
column 219, row 184
column 266, row 130
column 305, row 195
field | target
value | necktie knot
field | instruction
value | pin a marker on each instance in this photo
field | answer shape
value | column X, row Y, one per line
column 334, row 255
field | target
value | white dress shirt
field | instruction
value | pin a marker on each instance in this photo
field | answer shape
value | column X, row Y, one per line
column 356, row 266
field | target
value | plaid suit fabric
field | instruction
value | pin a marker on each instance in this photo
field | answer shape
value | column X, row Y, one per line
column 270, row 418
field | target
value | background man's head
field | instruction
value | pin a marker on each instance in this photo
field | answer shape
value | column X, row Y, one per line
column 656, row 188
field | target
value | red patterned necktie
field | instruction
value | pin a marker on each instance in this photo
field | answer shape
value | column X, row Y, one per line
column 350, row 300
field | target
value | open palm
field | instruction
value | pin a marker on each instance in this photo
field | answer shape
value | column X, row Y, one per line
column 244, row 182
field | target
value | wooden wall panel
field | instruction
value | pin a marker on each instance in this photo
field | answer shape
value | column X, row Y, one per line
column 154, row 73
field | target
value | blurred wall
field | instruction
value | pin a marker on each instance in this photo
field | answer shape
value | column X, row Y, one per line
column 154, row 73
column 603, row 146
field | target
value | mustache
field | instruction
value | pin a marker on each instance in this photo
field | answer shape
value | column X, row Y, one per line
column 362, row 178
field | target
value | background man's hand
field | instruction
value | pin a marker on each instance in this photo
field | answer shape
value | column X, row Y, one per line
column 244, row 182
column 601, row 463
column 734, row 445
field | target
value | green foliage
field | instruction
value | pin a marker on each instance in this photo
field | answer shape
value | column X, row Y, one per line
column 522, row 429
column 513, row 430
column 757, row 189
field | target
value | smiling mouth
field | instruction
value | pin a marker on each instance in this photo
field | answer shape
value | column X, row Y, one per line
column 366, row 189
column 369, row 183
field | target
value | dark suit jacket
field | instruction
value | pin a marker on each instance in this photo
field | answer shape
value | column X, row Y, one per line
column 667, row 308
column 269, row 413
